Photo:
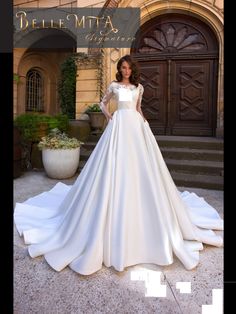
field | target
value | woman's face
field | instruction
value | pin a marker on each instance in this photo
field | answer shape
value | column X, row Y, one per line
column 125, row 70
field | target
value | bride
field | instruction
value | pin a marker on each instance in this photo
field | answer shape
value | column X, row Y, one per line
column 124, row 208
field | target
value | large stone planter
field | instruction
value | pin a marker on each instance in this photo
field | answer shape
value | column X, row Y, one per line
column 97, row 120
column 79, row 129
column 61, row 163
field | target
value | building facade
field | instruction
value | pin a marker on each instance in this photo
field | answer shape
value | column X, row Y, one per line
column 180, row 52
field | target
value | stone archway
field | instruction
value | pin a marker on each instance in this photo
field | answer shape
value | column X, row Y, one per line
column 178, row 57
column 48, row 62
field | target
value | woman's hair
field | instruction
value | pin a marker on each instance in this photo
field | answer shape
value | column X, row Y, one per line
column 135, row 74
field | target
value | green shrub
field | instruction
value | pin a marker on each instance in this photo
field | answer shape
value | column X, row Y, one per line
column 93, row 108
column 67, row 87
column 62, row 122
column 30, row 125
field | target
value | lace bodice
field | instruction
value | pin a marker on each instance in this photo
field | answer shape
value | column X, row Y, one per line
column 126, row 96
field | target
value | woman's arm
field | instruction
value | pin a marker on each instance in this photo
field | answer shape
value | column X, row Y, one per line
column 138, row 106
column 104, row 102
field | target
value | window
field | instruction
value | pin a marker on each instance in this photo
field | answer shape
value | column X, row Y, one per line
column 34, row 91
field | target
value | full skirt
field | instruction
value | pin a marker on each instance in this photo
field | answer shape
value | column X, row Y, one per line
column 123, row 209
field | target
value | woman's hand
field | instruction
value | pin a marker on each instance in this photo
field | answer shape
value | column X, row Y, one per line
column 108, row 116
column 141, row 113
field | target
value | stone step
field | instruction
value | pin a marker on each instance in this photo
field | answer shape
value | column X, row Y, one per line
column 190, row 142
column 81, row 164
column 191, row 153
column 94, row 137
column 198, row 181
column 192, row 161
column 173, row 153
column 179, row 141
column 89, row 145
column 195, row 166
column 84, row 154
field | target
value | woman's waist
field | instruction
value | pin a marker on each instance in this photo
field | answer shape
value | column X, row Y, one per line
column 126, row 106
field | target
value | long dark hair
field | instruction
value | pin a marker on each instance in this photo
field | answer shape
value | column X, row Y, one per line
column 135, row 74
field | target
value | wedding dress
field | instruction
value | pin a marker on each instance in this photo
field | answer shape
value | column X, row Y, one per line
column 123, row 209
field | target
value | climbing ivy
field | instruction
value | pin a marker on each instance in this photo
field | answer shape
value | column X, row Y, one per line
column 67, row 87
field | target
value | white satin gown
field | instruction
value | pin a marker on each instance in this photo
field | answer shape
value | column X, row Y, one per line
column 123, row 209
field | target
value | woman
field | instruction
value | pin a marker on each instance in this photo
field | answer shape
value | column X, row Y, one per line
column 124, row 208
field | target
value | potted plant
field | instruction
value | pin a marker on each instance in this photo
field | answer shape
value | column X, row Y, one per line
column 96, row 116
column 60, row 154
column 32, row 127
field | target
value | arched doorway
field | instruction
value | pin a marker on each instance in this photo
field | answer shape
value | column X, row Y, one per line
column 178, row 57
column 43, row 57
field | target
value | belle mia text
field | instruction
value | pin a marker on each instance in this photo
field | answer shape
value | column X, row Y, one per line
column 83, row 22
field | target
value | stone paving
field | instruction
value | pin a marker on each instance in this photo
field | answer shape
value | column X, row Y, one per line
column 143, row 288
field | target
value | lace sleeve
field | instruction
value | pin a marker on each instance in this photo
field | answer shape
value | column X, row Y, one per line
column 139, row 102
column 107, row 96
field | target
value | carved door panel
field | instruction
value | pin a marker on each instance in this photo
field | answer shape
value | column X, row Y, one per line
column 178, row 96
column 153, row 78
column 191, row 110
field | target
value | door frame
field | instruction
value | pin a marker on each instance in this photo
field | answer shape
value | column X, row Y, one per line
column 212, row 53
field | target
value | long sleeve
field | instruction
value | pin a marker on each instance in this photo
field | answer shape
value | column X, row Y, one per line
column 107, row 96
column 139, row 102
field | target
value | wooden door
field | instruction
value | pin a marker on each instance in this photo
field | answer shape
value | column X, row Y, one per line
column 192, row 110
column 178, row 57
column 153, row 79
